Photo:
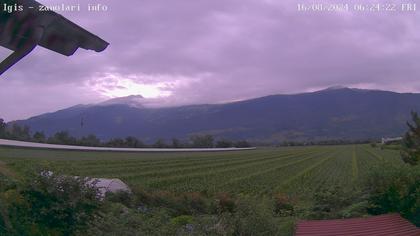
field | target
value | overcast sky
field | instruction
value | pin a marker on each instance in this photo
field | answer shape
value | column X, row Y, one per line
column 211, row 51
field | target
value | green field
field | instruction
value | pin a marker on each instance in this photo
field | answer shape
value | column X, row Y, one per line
column 295, row 170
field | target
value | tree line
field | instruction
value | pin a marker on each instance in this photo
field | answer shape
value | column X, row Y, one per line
column 23, row 133
column 326, row 142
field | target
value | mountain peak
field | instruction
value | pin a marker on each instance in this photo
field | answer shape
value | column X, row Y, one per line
column 131, row 101
column 336, row 87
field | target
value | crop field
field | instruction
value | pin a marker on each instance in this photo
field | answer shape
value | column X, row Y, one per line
column 297, row 170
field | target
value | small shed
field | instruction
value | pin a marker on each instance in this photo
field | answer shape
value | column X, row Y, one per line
column 385, row 225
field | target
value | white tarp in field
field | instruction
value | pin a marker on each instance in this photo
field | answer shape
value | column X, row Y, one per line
column 109, row 185
column 102, row 184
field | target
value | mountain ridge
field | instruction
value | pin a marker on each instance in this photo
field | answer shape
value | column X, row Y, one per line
column 340, row 113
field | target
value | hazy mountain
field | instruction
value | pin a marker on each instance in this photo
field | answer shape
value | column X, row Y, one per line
column 131, row 101
column 334, row 113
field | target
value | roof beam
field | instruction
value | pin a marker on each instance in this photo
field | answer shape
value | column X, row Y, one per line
column 29, row 44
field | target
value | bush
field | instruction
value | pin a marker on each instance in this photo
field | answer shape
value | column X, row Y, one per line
column 6, row 184
column 182, row 220
column 225, row 203
column 123, row 197
column 335, row 202
column 411, row 142
column 195, row 202
column 395, row 189
column 179, row 204
column 202, row 141
column 250, row 218
column 48, row 204
column 242, row 144
column 283, row 205
column 224, row 144
column 116, row 219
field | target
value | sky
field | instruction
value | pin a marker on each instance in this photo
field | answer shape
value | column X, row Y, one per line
column 213, row 51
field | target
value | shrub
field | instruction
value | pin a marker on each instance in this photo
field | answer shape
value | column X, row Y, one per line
column 116, row 219
column 283, row 205
column 48, row 204
column 195, row 202
column 335, row 202
column 395, row 189
column 123, row 197
column 250, row 218
column 225, row 203
column 179, row 204
column 6, row 184
column 242, row 144
column 411, row 142
column 224, row 144
column 202, row 141
column 182, row 220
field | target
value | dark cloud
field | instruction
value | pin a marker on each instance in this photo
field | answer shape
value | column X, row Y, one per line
column 209, row 51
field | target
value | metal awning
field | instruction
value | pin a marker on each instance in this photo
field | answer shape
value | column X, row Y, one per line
column 21, row 31
column 389, row 224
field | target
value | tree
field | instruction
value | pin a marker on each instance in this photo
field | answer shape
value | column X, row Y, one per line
column 2, row 128
column 115, row 142
column 20, row 133
column 63, row 137
column 411, row 142
column 160, row 143
column 202, row 141
column 39, row 137
column 176, row 143
column 242, row 144
column 133, row 142
column 224, row 144
column 90, row 140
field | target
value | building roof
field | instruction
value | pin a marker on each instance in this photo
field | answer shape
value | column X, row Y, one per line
column 390, row 224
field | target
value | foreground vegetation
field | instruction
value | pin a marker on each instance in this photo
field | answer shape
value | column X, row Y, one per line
column 260, row 192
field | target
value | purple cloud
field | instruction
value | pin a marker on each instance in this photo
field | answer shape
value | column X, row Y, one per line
column 205, row 51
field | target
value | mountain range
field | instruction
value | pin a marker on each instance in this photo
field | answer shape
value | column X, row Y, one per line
column 334, row 113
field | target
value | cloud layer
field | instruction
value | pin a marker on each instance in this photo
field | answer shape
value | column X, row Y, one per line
column 210, row 51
